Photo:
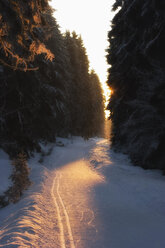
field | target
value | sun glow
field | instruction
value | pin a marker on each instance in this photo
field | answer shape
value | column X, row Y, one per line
column 107, row 94
column 91, row 19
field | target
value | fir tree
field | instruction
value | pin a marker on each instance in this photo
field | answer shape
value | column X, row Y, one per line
column 136, row 77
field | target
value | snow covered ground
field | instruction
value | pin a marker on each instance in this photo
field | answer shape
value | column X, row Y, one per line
column 86, row 196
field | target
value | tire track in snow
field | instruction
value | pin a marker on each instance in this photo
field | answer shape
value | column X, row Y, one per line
column 60, row 223
column 66, row 216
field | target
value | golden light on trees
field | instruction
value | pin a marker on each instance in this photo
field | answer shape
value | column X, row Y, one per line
column 107, row 94
column 18, row 51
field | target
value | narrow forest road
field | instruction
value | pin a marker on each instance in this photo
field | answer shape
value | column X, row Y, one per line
column 86, row 196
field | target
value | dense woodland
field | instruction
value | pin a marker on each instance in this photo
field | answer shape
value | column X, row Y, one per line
column 46, row 88
column 137, row 79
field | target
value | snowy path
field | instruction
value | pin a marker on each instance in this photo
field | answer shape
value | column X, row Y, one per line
column 56, row 182
column 85, row 196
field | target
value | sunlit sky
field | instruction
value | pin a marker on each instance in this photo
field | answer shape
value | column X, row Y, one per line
column 91, row 19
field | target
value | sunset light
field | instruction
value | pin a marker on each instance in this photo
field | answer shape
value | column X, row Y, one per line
column 107, row 94
column 90, row 19
column 82, row 85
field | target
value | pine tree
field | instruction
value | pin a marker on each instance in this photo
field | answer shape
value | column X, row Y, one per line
column 31, row 100
column 86, row 98
column 42, row 96
column 97, row 114
column 22, row 33
column 19, row 178
column 136, row 76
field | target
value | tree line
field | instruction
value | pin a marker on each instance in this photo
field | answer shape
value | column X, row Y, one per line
column 46, row 87
column 137, row 79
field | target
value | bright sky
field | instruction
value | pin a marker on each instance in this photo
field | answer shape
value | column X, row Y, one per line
column 91, row 19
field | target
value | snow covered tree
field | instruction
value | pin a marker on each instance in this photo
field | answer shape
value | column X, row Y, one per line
column 96, row 106
column 31, row 100
column 137, row 79
column 44, row 79
column 84, row 90
column 22, row 33
column 19, row 178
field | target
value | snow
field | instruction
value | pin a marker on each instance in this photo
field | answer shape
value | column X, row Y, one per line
column 86, row 196
column 5, row 172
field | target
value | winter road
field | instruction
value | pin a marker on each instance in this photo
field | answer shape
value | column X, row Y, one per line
column 86, row 196
column 56, row 184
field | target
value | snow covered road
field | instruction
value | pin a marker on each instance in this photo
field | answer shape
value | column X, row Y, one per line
column 86, row 196
column 65, row 213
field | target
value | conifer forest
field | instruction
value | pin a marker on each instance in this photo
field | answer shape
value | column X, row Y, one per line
column 82, row 124
column 137, row 78
column 46, row 88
